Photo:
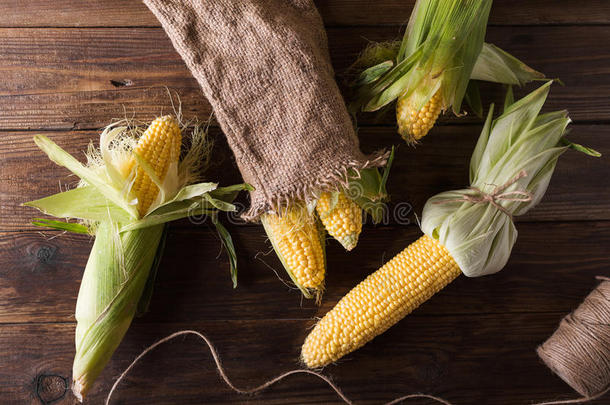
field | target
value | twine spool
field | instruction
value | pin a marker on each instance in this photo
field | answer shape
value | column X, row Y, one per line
column 579, row 350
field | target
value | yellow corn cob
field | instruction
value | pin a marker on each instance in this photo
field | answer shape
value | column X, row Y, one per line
column 381, row 300
column 159, row 146
column 344, row 221
column 413, row 124
column 297, row 241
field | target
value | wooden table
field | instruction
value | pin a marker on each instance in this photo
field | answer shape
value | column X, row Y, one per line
column 68, row 67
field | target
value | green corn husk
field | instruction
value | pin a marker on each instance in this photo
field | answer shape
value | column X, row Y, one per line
column 113, row 282
column 117, row 282
column 368, row 189
column 441, row 51
column 521, row 144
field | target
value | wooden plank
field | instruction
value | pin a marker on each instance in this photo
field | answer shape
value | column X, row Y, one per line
column 579, row 190
column 132, row 13
column 471, row 359
column 553, row 266
column 503, row 12
column 55, row 79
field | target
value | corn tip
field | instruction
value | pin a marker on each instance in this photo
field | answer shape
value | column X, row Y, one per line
column 350, row 241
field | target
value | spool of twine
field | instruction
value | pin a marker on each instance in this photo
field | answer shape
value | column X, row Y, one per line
column 579, row 350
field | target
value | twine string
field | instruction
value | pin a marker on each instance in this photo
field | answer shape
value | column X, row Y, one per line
column 498, row 194
column 578, row 352
column 252, row 391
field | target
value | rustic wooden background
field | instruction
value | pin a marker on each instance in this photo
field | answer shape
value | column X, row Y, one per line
column 70, row 66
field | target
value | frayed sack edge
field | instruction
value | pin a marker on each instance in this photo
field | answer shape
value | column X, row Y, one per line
column 336, row 179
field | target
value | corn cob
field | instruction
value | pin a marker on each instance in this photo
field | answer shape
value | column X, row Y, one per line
column 469, row 230
column 381, row 300
column 429, row 71
column 415, row 124
column 298, row 242
column 120, row 287
column 343, row 221
column 122, row 182
column 159, row 145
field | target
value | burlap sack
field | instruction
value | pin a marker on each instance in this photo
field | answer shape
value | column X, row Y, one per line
column 264, row 67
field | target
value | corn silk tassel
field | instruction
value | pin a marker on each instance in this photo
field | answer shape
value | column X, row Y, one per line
column 129, row 189
column 430, row 70
column 466, row 231
column 298, row 232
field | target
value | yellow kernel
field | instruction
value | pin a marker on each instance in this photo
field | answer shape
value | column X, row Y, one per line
column 415, row 124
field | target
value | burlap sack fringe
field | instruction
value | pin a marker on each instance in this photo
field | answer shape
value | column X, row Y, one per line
column 264, row 67
column 335, row 180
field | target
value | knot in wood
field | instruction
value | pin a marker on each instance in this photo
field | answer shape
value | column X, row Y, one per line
column 50, row 388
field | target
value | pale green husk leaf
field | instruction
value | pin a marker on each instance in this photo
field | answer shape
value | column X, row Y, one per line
column 61, row 225
column 63, row 158
column 83, row 203
column 495, row 65
column 479, row 236
column 227, row 242
column 110, row 290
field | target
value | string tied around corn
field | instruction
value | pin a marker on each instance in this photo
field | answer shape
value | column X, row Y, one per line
column 498, row 194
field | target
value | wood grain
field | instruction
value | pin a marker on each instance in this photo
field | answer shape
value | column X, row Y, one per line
column 580, row 189
column 69, row 67
column 68, row 78
column 552, row 268
column 470, row 359
column 133, row 13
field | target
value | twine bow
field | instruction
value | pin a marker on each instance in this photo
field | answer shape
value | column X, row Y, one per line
column 496, row 195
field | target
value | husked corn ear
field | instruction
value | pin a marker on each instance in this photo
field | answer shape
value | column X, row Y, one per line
column 413, row 124
column 298, row 243
column 381, row 300
column 343, row 221
column 159, row 146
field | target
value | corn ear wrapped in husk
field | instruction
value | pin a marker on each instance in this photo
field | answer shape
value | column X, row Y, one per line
column 129, row 189
column 298, row 240
column 513, row 160
column 368, row 189
column 441, row 51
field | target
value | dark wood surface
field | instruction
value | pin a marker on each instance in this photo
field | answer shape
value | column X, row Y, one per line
column 64, row 64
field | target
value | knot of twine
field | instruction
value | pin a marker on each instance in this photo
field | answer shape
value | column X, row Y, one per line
column 498, row 194
column 579, row 350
